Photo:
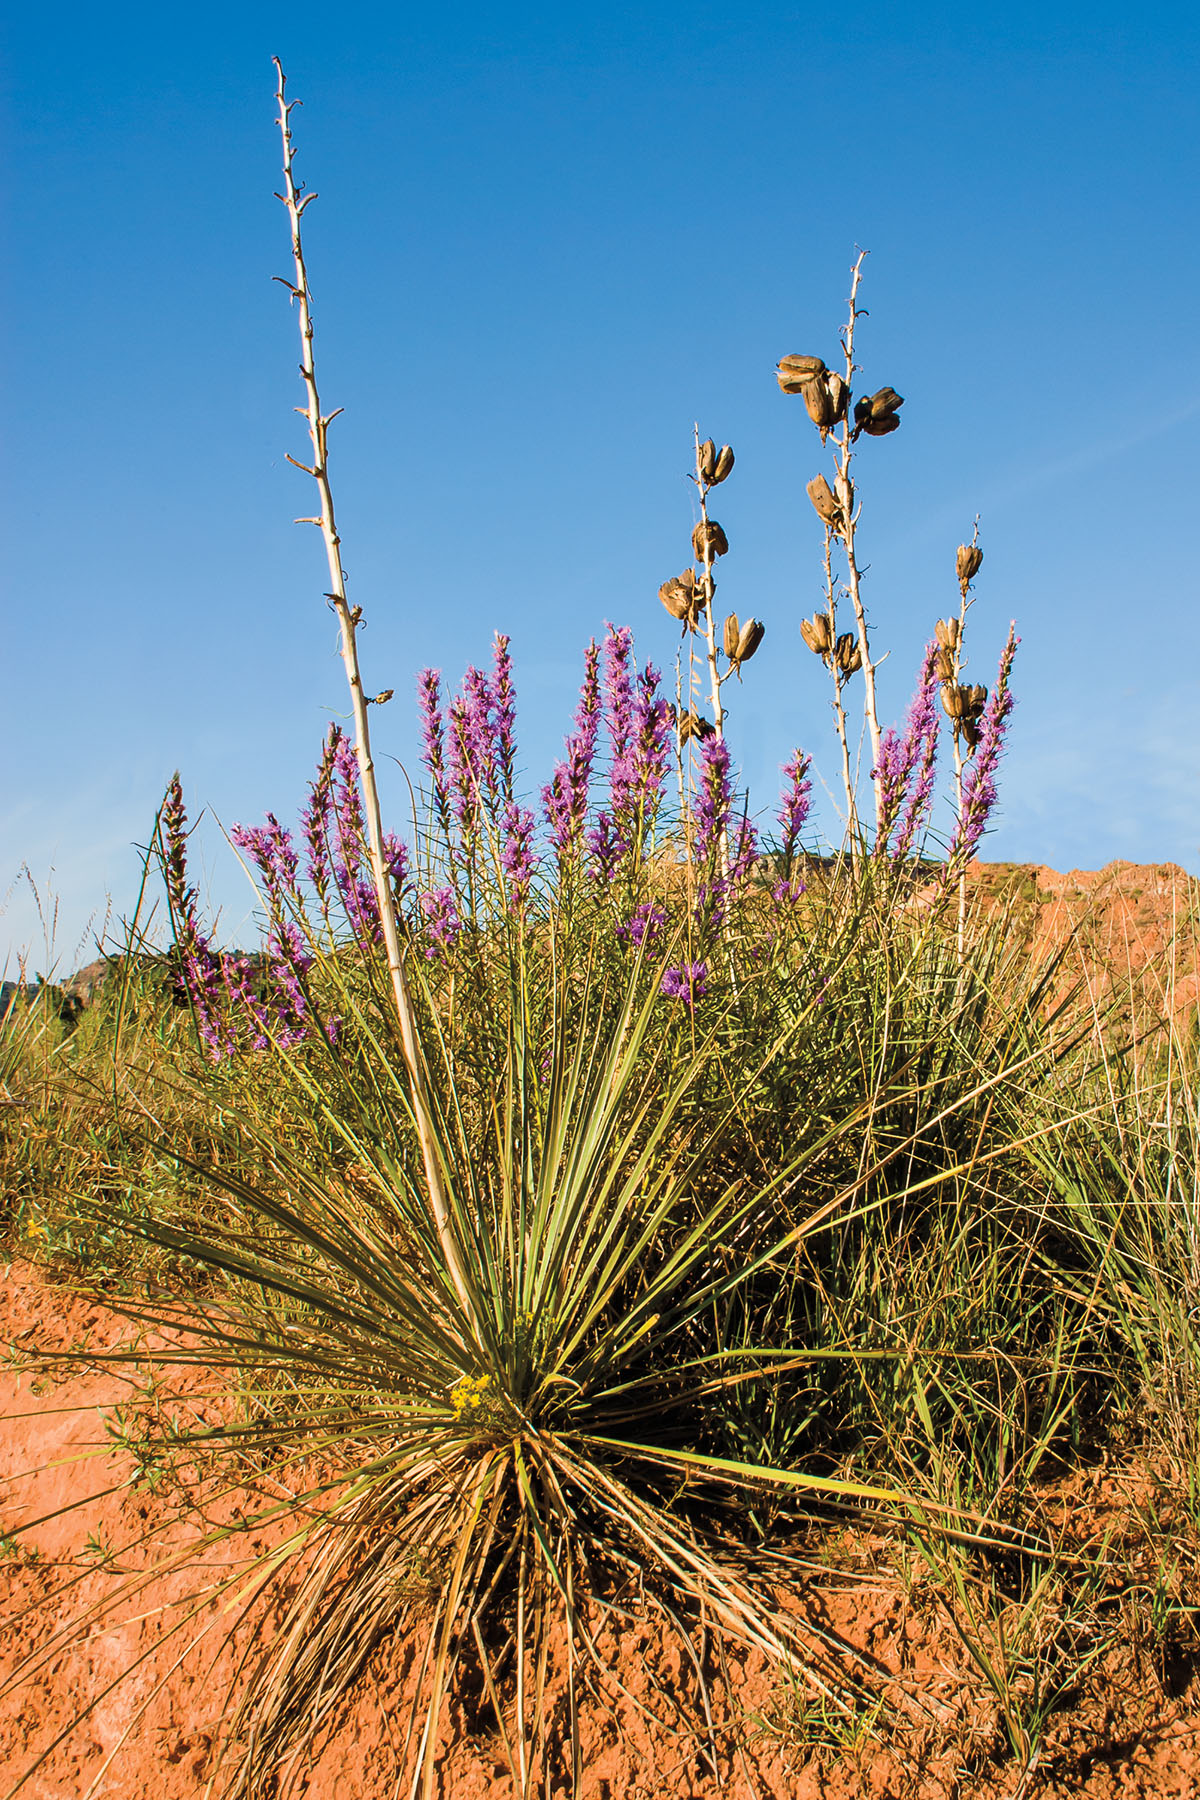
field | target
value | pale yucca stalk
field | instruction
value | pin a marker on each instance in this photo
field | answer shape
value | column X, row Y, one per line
column 844, row 489
column 348, row 618
column 840, row 679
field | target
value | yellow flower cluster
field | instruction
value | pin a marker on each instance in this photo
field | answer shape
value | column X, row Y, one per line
column 470, row 1396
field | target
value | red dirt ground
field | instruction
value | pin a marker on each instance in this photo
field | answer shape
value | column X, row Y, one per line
column 1132, row 1727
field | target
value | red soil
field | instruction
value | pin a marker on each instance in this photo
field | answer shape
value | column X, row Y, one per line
column 1130, row 1731
column 1131, row 1728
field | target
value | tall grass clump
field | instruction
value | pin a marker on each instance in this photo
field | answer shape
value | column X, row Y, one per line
column 584, row 1190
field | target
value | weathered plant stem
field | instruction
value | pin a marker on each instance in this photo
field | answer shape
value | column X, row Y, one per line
column 845, row 494
column 714, row 673
column 839, row 711
column 318, row 432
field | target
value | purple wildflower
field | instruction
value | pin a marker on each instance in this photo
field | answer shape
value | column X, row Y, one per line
column 443, row 923
column 504, row 706
column 905, row 771
column 744, row 852
column 565, row 799
column 605, row 846
column 710, row 809
column 688, row 983
column 316, row 817
column 433, row 754
column 618, row 693
column 979, row 782
column 645, row 927
column 794, row 804
column 516, row 858
column 639, row 772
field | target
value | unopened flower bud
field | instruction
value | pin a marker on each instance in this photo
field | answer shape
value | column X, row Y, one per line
column 723, row 465
column 815, row 632
column 709, row 538
column 968, row 562
column 730, row 640
column 795, row 372
column 749, row 638
column 821, row 495
column 946, row 631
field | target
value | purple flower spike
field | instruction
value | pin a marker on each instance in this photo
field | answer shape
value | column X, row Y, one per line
column 688, row 983
column 711, row 807
column 979, row 782
column 516, row 858
column 433, row 751
column 504, row 704
column 443, row 923
column 618, row 693
column 794, row 804
column 905, row 771
column 645, row 927
column 565, row 799
column 316, row 818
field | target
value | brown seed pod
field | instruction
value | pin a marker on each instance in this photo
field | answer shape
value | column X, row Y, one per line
column 709, row 536
column 819, row 402
column 750, row 637
column 876, row 413
column 815, row 632
column 953, row 700
column 795, row 372
column 707, row 460
column 970, row 732
column 679, row 596
column 944, row 664
column 946, row 631
column 730, row 640
column 849, row 656
column 976, row 701
column 821, row 495
column 723, row 465
column 694, row 725
column 968, row 562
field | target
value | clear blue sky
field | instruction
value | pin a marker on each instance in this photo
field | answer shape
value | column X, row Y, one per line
column 548, row 239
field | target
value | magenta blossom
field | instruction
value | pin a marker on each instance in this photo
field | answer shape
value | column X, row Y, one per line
column 688, row 983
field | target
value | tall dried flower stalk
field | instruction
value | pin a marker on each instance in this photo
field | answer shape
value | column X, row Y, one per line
column 348, row 618
column 844, row 490
column 827, row 398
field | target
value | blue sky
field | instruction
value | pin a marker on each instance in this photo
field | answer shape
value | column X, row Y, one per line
column 548, row 239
